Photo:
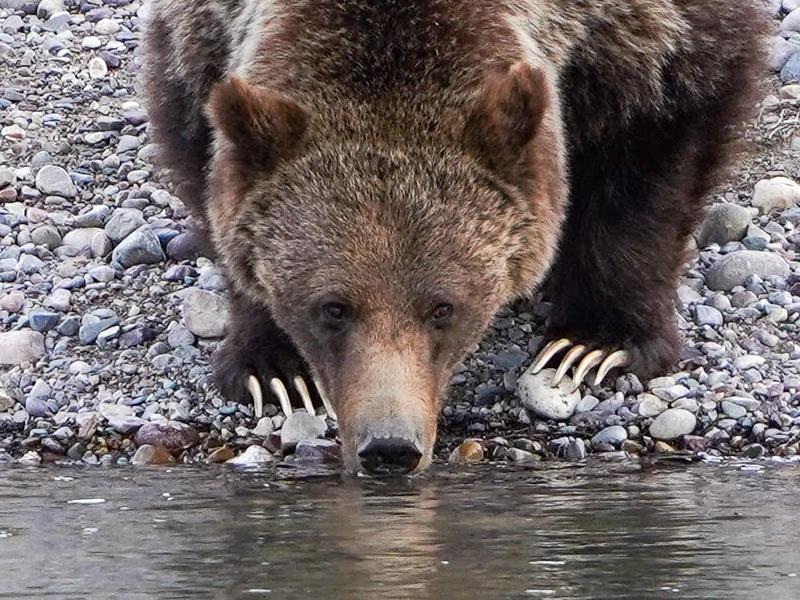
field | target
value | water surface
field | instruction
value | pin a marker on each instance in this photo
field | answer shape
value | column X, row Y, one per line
column 604, row 530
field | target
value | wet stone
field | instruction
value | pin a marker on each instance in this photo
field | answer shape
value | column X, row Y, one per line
column 469, row 451
column 613, row 436
column 254, row 455
column 151, row 455
column 300, row 426
column 320, row 451
column 173, row 435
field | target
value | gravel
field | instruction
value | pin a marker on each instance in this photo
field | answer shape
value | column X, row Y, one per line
column 110, row 314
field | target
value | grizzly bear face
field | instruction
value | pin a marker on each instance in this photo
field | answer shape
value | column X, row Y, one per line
column 384, row 265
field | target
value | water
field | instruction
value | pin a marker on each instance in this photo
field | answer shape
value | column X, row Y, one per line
column 600, row 531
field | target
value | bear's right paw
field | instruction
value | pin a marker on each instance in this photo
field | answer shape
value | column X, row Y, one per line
column 604, row 359
column 243, row 375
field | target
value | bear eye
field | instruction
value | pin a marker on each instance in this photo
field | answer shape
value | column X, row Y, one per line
column 335, row 314
column 441, row 314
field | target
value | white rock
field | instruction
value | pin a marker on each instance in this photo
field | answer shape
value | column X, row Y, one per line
column 778, row 193
column 21, row 346
column 301, row 426
column 97, row 68
column 81, row 238
column 254, row 455
column 537, row 395
column 205, row 313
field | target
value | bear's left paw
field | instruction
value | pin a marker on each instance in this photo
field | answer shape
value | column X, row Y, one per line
column 278, row 388
column 604, row 359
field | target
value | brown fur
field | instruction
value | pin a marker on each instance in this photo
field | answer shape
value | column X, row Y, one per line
column 393, row 156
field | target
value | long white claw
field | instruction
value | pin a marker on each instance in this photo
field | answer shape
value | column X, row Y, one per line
column 325, row 402
column 277, row 387
column 302, row 389
column 589, row 362
column 254, row 387
column 548, row 352
column 620, row 358
column 569, row 359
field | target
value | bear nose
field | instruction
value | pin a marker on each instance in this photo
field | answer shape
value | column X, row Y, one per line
column 390, row 455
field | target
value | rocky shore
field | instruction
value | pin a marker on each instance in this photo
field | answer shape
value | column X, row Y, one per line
column 109, row 315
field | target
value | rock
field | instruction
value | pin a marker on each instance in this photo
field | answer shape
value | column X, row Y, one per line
column 47, row 236
column 81, row 238
column 55, row 181
column 151, row 455
column 140, row 248
column 724, row 223
column 517, row 455
column 651, row 406
column 98, row 69
column 29, row 264
column 551, row 403
column 778, row 193
column 320, row 451
column 791, row 22
column 13, row 302
column 733, row 269
column 707, row 315
column 108, row 410
column 173, row 435
column 205, row 313
column 106, row 27
column 791, row 69
column 220, row 455
column 734, row 411
column 613, row 435
column 780, row 53
column 41, row 320
column 122, row 223
column 469, row 451
column 46, row 8
column 125, row 424
column 91, row 329
column 748, row 361
column 254, row 455
column 59, row 300
column 183, row 246
column 264, row 427
column 301, row 426
column 17, row 347
column 672, row 424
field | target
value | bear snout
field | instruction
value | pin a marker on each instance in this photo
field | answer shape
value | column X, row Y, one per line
column 389, row 455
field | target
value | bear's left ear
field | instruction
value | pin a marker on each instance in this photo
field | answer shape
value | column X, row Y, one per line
column 506, row 120
column 261, row 126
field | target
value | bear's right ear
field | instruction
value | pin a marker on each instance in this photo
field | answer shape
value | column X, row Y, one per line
column 261, row 126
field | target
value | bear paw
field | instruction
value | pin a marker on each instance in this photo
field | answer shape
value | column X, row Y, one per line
column 243, row 375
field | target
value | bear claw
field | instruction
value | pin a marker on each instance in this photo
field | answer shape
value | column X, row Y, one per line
column 278, row 388
column 602, row 359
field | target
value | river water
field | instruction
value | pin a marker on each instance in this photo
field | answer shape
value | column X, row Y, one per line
column 603, row 530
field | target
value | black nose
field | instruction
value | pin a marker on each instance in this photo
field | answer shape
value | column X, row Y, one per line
column 390, row 455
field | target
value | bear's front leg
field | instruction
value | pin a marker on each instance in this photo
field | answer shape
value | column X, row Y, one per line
column 256, row 356
column 636, row 198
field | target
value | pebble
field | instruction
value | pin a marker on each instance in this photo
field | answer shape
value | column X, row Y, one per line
column 469, row 451
column 734, row 269
column 205, row 313
column 724, row 223
column 151, row 455
column 254, row 455
column 139, row 248
column 319, row 451
column 613, row 435
column 81, row 238
column 778, row 193
column 300, row 426
column 172, row 435
column 538, row 396
column 55, row 181
column 672, row 424
column 22, row 346
column 123, row 222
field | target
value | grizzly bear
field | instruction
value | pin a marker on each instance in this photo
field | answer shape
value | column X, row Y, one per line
column 378, row 177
